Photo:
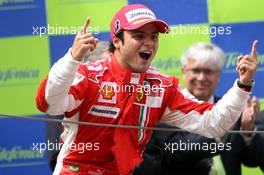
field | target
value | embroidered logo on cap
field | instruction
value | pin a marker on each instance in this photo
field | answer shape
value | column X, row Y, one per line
column 117, row 26
column 138, row 14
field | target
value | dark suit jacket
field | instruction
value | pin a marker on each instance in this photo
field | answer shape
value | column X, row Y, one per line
column 250, row 155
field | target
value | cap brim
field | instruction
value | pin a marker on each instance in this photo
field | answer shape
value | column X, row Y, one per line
column 162, row 26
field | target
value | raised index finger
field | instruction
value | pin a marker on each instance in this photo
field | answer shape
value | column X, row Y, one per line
column 254, row 49
column 85, row 25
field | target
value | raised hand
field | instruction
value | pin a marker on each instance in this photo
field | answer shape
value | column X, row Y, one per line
column 83, row 42
column 247, row 65
column 249, row 115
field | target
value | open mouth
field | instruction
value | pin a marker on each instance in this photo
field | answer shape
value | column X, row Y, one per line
column 145, row 55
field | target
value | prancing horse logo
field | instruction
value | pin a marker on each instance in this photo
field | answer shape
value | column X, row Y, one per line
column 117, row 26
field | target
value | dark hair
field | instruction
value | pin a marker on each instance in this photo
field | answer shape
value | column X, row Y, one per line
column 119, row 35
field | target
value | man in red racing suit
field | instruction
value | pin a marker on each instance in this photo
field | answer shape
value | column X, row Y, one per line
column 124, row 90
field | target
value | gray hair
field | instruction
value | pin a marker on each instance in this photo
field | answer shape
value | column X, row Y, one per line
column 100, row 52
column 204, row 53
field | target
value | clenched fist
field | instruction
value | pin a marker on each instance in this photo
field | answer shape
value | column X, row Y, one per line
column 83, row 42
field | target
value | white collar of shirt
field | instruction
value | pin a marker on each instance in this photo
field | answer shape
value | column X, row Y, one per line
column 190, row 96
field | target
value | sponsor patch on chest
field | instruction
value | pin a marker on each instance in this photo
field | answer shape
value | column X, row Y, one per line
column 108, row 92
column 104, row 111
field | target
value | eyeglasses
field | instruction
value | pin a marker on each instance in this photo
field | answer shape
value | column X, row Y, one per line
column 197, row 71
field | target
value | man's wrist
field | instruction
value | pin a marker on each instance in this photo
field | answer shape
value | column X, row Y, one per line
column 246, row 87
column 247, row 137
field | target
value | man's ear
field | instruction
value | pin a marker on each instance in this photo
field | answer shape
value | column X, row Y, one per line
column 116, row 42
column 182, row 70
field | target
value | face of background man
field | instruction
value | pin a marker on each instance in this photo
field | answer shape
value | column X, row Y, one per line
column 201, row 79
